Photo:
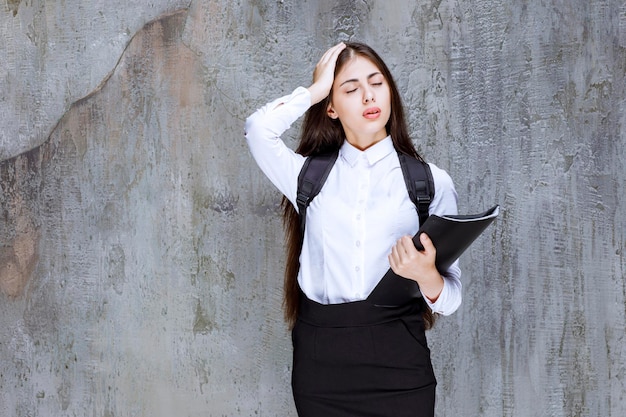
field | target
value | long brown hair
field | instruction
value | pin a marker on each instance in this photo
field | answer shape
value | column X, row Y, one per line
column 322, row 134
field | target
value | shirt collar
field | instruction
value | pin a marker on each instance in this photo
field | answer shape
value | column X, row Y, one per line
column 373, row 154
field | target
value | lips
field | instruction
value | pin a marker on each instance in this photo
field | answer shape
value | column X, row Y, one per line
column 372, row 113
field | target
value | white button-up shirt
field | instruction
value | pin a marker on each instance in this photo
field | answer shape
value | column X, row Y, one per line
column 360, row 213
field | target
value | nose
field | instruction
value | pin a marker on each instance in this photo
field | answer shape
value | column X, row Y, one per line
column 368, row 96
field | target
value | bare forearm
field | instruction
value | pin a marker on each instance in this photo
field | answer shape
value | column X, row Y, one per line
column 431, row 285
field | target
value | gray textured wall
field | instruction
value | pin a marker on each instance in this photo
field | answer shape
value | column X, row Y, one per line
column 141, row 248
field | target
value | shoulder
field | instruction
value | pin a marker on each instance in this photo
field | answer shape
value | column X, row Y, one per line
column 445, row 200
column 441, row 178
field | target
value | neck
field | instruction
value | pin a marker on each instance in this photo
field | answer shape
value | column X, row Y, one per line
column 363, row 142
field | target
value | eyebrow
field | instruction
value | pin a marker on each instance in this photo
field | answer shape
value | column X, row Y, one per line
column 354, row 80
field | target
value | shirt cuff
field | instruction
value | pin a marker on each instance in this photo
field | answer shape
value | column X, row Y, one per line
column 450, row 298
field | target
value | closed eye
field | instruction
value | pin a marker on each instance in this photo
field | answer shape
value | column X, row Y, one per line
column 351, row 91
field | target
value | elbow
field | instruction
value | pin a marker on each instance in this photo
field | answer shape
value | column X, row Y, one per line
column 249, row 125
column 450, row 298
column 453, row 306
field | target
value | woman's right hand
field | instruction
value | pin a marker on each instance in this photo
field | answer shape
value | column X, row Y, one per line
column 324, row 74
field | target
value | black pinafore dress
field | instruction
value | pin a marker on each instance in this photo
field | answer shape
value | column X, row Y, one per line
column 360, row 359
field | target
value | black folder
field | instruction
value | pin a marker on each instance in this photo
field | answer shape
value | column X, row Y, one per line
column 451, row 235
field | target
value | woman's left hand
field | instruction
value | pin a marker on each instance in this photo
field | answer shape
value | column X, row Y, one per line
column 405, row 260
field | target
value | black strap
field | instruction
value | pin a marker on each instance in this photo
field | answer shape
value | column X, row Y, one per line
column 419, row 183
column 311, row 179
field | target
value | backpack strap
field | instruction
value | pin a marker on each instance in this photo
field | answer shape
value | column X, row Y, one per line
column 419, row 183
column 311, row 179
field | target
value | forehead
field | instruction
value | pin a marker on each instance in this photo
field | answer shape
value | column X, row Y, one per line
column 356, row 68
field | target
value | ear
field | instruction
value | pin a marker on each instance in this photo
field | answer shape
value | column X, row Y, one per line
column 330, row 111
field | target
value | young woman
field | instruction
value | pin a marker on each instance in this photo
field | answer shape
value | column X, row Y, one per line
column 352, row 358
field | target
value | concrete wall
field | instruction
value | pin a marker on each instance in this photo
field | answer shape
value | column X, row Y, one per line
column 141, row 248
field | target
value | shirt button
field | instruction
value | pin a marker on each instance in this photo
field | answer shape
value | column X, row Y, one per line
column 358, row 217
column 358, row 243
column 357, row 269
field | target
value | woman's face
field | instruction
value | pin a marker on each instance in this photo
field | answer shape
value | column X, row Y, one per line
column 361, row 100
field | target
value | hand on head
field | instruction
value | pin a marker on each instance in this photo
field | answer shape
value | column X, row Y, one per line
column 324, row 74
